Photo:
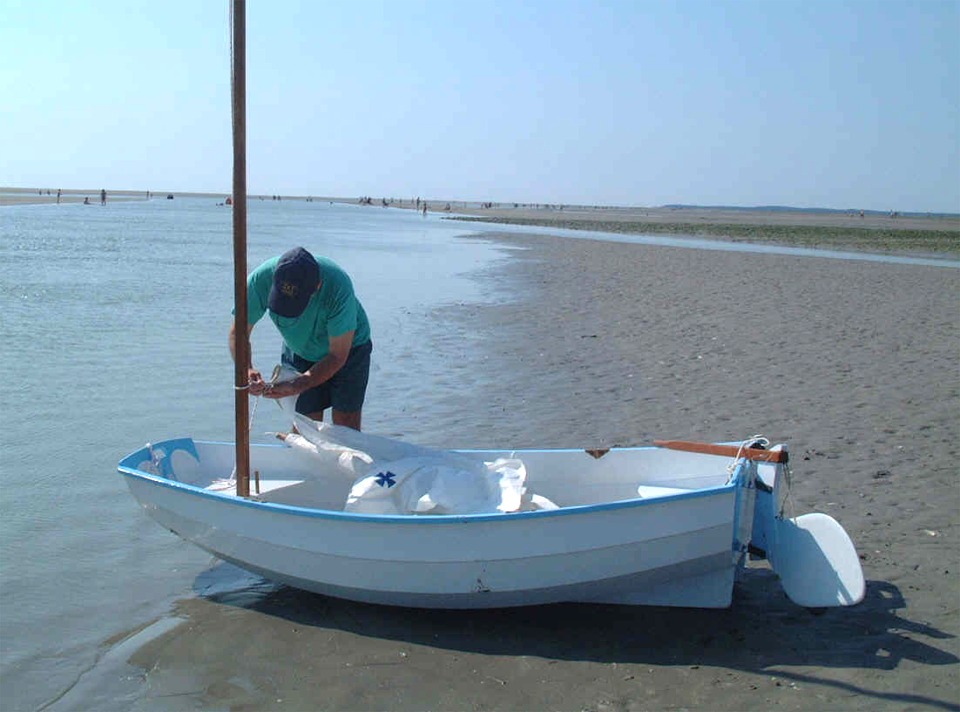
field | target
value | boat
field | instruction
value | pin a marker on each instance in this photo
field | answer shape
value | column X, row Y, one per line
column 669, row 524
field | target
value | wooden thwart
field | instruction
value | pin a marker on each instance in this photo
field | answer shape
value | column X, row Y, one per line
column 747, row 453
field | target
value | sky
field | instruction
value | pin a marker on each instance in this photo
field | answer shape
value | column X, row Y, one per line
column 816, row 103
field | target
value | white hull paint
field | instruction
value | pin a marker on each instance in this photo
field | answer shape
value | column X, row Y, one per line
column 604, row 544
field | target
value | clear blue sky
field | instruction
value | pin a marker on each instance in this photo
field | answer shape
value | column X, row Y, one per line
column 628, row 102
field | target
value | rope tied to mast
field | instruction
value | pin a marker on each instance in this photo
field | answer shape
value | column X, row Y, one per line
column 231, row 481
column 274, row 377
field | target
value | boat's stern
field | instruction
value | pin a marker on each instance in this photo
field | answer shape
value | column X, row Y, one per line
column 813, row 555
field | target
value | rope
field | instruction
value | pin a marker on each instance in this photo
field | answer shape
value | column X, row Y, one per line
column 253, row 413
column 270, row 384
column 787, row 473
column 756, row 439
column 788, row 476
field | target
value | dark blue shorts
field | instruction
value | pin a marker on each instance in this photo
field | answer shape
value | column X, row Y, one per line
column 344, row 392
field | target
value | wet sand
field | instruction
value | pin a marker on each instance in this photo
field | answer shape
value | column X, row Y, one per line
column 853, row 364
column 918, row 235
column 572, row 216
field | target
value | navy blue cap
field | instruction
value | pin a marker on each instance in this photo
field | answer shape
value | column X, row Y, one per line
column 294, row 282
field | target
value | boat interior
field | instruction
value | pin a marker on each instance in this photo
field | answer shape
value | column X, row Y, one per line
column 567, row 478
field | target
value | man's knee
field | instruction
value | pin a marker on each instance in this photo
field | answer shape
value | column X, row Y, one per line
column 349, row 419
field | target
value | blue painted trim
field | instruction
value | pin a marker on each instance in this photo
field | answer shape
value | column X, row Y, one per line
column 169, row 447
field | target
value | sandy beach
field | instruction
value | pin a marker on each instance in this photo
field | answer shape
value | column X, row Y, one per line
column 838, row 230
column 30, row 196
column 729, row 216
column 46, row 196
column 854, row 364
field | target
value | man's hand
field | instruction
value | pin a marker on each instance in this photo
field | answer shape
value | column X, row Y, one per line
column 257, row 385
column 285, row 388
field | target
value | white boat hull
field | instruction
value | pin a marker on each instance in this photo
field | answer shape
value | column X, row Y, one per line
column 681, row 548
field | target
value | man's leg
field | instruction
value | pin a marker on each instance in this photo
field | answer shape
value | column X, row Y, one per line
column 349, row 386
column 350, row 419
column 311, row 403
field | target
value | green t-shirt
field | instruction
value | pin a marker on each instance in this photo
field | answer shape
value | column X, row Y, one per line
column 332, row 311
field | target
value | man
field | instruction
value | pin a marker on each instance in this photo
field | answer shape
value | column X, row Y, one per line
column 325, row 333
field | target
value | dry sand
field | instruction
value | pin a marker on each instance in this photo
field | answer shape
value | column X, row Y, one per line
column 854, row 364
column 24, row 196
column 33, row 196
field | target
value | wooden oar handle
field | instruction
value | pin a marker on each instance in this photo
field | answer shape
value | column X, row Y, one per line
column 779, row 456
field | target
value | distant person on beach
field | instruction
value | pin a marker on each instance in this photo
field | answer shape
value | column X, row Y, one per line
column 326, row 335
column 59, row 191
column 103, row 197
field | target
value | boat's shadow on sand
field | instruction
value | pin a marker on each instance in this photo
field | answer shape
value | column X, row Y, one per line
column 762, row 629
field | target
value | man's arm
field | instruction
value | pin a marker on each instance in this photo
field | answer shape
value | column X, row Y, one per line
column 253, row 375
column 322, row 371
column 232, row 339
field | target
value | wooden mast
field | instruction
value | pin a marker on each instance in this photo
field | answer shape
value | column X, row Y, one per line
column 242, row 363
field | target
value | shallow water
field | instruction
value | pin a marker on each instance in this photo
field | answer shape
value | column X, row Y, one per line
column 115, row 322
